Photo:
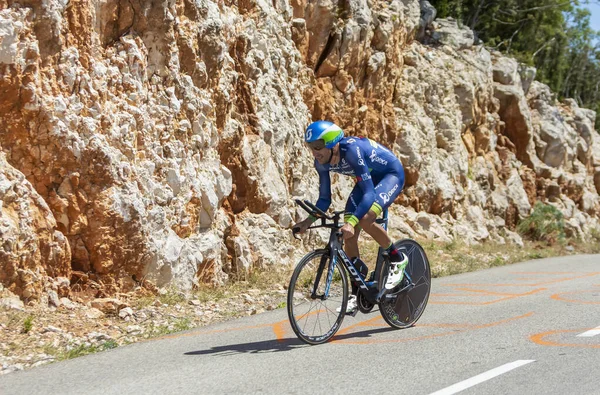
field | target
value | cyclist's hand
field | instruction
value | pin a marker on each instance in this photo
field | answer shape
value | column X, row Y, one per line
column 302, row 226
column 347, row 231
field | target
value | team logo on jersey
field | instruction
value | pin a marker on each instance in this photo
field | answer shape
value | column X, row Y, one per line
column 375, row 158
column 385, row 197
column 361, row 162
column 350, row 141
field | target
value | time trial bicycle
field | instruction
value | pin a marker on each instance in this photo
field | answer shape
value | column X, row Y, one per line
column 318, row 291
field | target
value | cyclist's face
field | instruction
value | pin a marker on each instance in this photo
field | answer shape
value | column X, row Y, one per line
column 322, row 155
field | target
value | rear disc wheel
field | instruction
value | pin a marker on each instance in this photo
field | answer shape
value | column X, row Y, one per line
column 405, row 308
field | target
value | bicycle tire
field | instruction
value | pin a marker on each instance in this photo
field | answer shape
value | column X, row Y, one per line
column 306, row 313
column 404, row 309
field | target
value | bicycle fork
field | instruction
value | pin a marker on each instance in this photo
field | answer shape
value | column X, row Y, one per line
column 318, row 279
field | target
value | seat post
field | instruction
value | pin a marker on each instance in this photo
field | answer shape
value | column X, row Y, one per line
column 379, row 264
column 384, row 219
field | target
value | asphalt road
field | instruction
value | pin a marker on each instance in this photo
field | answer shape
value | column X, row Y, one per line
column 528, row 328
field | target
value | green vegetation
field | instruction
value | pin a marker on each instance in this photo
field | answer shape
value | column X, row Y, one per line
column 28, row 324
column 546, row 239
column 451, row 246
column 85, row 349
column 546, row 223
column 595, row 233
column 552, row 35
column 171, row 297
column 179, row 325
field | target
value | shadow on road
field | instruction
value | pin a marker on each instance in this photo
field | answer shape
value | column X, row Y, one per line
column 252, row 348
column 288, row 344
column 363, row 334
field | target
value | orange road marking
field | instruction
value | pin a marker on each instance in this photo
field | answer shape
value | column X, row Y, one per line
column 536, row 273
column 470, row 289
column 539, row 339
column 198, row 331
column 279, row 330
column 527, row 285
column 500, row 293
column 563, row 299
column 507, row 296
column 468, row 327
column 489, row 285
column 362, row 323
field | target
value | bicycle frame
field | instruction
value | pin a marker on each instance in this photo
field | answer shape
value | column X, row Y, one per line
column 369, row 289
column 316, row 321
column 335, row 248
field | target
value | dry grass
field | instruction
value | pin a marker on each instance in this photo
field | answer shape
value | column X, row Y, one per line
column 448, row 258
column 457, row 257
column 267, row 280
column 172, row 310
column 445, row 259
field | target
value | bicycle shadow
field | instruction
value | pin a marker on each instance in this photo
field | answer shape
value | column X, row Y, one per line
column 274, row 345
column 266, row 346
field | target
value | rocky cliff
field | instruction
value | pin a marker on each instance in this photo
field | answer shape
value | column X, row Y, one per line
column 161, row 141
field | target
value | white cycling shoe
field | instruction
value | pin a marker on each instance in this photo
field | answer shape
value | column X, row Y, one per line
column 351, row 307
column 396, row 273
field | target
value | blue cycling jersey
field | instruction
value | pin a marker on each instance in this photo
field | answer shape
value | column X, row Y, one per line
column 373, row 166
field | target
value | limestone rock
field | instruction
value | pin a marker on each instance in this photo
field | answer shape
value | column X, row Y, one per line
column 448, row 31
column 160, row 143
column 31, row 247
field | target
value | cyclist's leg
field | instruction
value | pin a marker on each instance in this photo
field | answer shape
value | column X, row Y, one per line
column 372, row 228
column 386, row 191
column 351, row 244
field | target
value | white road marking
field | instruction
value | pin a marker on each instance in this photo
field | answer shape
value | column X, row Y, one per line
column 480, row 378
column 590, row 333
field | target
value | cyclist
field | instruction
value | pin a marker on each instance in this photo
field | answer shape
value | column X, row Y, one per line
column 379, row 177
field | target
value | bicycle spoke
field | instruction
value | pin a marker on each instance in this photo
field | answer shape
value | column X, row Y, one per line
column 307, row 314
column 316, row 321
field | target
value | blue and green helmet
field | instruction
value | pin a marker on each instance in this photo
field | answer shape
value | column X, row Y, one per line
column 327, row 131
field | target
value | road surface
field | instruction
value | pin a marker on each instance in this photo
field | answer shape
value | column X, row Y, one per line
column 527, row 328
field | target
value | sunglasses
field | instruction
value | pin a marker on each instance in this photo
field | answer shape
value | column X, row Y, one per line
column 317, row 144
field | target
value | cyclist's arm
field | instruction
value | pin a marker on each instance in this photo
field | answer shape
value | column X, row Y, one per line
column 324, row 187
column 357, row 159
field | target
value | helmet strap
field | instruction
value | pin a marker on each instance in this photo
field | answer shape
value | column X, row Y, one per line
column 330, row 156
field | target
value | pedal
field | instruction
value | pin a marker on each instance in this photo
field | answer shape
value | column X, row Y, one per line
column 364, row 306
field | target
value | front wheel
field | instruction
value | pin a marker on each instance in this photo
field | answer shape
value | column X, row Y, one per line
column 316, row 313
column 403, row 309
